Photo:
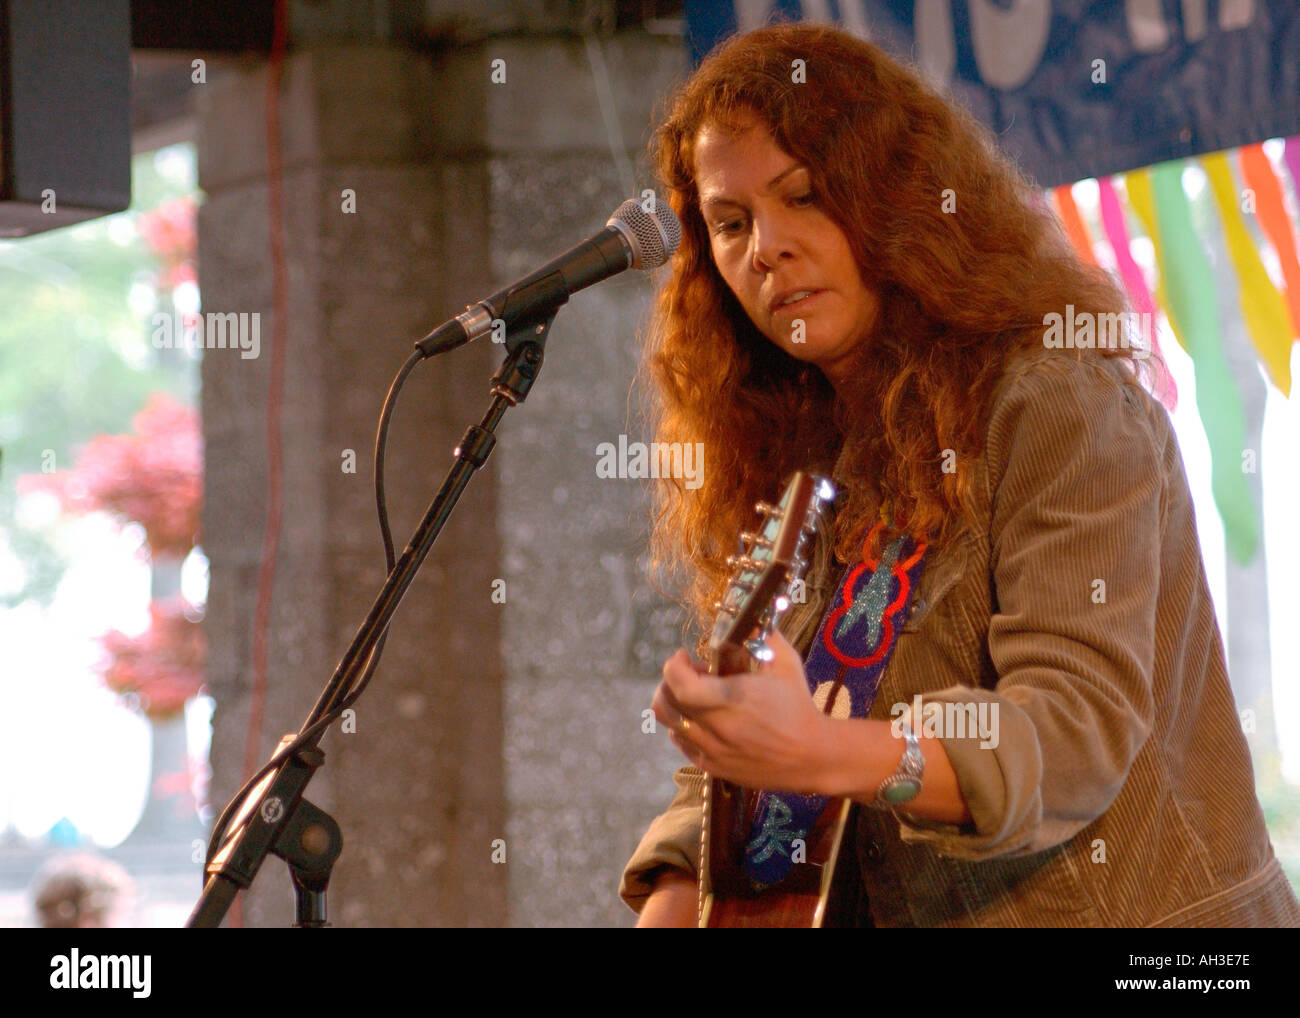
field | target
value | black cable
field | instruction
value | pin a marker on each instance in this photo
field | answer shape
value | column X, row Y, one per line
column 358, row 686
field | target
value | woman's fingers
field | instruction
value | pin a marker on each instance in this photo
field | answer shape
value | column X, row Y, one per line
column 700, row 666
column 693, row 690
column 690, row 750
column 668, row 711
column 784, row 655
column 735, row 726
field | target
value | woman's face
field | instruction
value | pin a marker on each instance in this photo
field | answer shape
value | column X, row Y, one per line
column 786, row 261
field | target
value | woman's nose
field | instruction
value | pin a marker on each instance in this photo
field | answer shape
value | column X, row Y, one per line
column 770, row 241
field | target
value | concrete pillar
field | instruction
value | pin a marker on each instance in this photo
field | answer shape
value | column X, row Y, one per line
column 583, row 635
column 518, row 721
column 418, row 787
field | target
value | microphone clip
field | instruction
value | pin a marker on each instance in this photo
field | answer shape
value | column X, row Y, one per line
column 503, row 317
column 526, row 346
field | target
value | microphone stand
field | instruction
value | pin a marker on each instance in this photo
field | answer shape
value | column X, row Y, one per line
column 274, row 817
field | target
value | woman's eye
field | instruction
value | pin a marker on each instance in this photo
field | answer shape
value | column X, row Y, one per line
column 730, row 226
column 805, row 199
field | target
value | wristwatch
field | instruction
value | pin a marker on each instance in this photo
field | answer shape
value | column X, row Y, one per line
column 905, row 783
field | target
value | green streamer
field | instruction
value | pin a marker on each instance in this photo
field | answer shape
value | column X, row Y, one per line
column 1189, row 284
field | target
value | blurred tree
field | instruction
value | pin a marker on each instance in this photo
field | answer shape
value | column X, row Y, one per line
column 76, row 362
column 153, row 477
column 75, row 355
column 163, row 666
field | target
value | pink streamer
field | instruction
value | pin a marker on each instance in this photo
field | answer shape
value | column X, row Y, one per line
column 1291, row 156
column 1112, row 218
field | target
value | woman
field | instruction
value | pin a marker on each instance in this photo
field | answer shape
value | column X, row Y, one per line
column 862, row 289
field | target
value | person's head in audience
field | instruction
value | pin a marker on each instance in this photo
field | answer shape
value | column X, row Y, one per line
column 81, row 891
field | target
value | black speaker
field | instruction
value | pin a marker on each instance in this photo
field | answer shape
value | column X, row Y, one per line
column 65, row 112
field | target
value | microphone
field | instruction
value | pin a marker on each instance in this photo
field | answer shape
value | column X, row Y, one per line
column 632, row 239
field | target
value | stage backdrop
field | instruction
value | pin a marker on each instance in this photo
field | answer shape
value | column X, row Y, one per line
column 1077, row 88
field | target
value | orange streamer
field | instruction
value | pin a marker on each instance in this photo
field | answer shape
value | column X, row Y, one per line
column 1073, row 222
column 1258, row 174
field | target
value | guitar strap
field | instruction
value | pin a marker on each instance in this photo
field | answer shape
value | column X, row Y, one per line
column 845, row 664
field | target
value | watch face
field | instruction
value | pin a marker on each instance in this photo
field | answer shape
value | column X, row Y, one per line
column 902, row 791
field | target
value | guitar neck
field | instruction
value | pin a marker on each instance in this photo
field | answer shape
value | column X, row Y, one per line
column 729, row 659
column 759, row 590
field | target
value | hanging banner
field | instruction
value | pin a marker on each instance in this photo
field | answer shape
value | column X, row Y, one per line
column 1076, row 88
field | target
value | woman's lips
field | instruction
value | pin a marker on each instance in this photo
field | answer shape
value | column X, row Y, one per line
column 799, row 305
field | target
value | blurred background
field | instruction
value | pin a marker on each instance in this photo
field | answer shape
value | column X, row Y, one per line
column 187, row 534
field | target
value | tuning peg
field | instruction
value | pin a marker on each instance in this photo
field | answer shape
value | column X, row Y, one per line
column 759, row 650
column 744, row 562
column 758, row 540
column 767, row 509
column 718, row 606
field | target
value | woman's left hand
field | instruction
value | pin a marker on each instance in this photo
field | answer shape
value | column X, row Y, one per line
column 758, row 729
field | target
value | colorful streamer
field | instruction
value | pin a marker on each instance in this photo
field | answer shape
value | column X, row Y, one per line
column 1188, row 283
column 1291, row 156
column 1262, row 307
column 1138, row 186
column 1257, row 172
column 1112, row 221
column 1075, row 229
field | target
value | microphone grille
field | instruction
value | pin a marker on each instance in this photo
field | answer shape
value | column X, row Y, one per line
column 654, row 236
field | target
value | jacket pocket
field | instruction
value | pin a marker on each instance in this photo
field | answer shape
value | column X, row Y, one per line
column 938, row 578
column 1044, row 889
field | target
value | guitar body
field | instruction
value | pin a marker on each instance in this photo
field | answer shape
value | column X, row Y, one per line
column 809, row 896
column 812, row 895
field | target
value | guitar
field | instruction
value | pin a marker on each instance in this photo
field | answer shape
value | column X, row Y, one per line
column 756, row 595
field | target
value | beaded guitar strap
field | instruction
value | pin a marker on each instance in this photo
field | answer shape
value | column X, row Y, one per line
column 844, row 667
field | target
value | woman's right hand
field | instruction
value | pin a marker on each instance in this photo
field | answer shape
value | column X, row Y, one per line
column 673, row 903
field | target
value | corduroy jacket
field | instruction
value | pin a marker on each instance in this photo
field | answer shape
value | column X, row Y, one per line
column 1120, row 791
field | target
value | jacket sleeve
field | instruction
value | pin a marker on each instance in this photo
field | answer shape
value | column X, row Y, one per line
column 673, row 839
column 1076, row 495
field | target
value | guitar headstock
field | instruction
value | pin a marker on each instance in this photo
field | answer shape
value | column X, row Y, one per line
column 759, row 588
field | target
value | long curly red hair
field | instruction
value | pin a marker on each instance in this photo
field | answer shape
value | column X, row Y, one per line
column 963, row 252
